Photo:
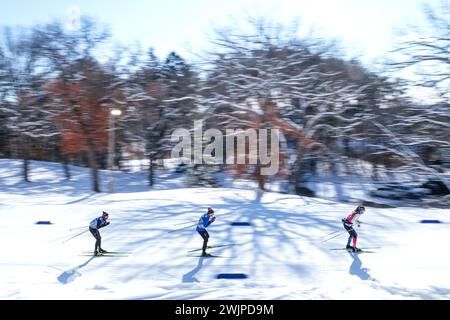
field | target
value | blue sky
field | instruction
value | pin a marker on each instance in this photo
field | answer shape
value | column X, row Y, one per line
column 365, row 27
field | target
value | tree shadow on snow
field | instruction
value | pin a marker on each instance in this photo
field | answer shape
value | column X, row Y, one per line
column 273, row 238
column 270, row 227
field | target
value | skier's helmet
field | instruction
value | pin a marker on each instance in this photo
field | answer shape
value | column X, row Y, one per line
column 360, row 209
column 210, row 211
column 105, row 214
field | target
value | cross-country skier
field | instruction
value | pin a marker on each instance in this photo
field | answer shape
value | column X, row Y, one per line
column 204, row 221
column 96, row 224
column 348, row 225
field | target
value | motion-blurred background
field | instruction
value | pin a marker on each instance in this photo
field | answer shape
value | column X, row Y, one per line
column 359, row 92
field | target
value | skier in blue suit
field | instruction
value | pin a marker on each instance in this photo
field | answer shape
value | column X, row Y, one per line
column 96, row 224
column 204, row 221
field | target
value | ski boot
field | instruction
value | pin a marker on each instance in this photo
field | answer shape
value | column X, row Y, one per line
column 102, row 251
column 205, row 254
column 97, row 253
column 349, row 248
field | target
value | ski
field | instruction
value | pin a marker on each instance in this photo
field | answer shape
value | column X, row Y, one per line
column 104, row 255
column 361, row 251
column 212, row 247
column 107, row 254
column 209, row 256
column 360, row 248
column 110, row 252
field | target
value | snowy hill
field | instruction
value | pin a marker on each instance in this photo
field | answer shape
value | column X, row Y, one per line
column 281, row 252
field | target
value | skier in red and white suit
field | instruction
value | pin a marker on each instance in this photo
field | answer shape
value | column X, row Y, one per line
column 348, row 223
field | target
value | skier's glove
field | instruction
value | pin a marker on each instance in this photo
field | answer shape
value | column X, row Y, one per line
column 213, row 219
column 107, row 223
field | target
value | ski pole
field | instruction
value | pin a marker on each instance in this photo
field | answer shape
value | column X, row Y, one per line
column 177, row 224
column 190, row 226
column 325, row 240
column 78, row 228
column 330, row 233
column 79, row 234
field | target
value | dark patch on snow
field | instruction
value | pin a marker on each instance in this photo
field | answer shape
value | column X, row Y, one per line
column 44, row 222
column 231, row 276
column 430, row 221
column 241, row 224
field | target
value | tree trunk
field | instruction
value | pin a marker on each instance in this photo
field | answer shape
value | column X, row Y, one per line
column 118, row 158
column 261, row 183
column 259, row 177
column 300, row 187
column 298, row 169
column 66, row 167
column 150, row 172
column 95, row 184
column 375, row 174
column 26, row 161
column 25, row 168
column 93, row 165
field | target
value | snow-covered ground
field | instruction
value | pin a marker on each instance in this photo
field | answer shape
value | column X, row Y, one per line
column 281, row 252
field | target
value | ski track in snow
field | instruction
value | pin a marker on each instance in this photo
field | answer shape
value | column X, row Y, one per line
column 282, row 252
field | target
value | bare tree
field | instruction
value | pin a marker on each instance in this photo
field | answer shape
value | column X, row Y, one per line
column 425, row 51
column 160, row 98
column 271, row 78
column 141, row 99
column 23, row 96
column 81, row 88
column 421, row 130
